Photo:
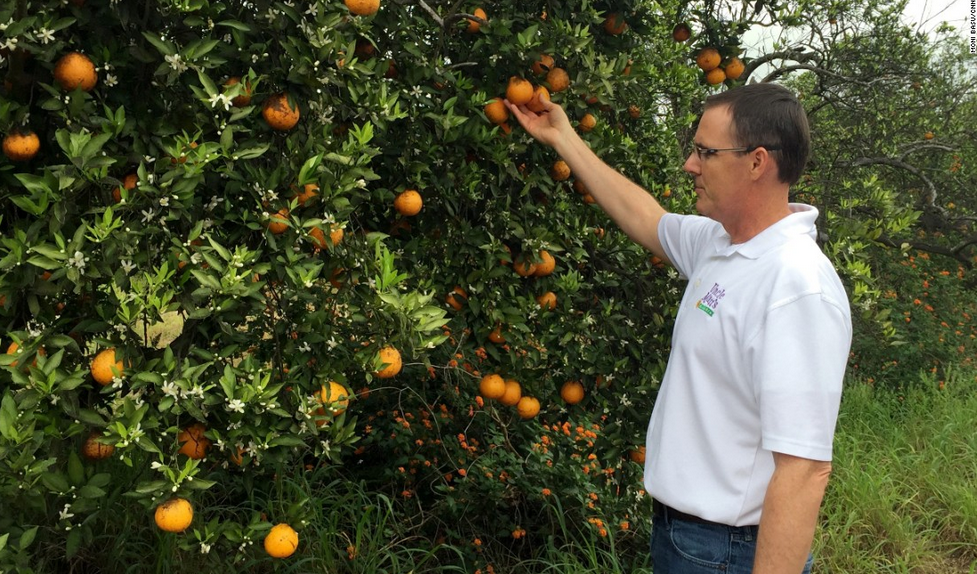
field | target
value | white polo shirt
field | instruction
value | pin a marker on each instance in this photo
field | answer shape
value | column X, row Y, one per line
column 758, row 355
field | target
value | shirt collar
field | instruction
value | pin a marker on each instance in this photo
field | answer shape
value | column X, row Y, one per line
column 799, row 222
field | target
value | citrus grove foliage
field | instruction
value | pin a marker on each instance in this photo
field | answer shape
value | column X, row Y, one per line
column 246, row 246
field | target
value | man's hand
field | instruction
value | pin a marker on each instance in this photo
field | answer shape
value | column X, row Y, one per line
column 550, row 126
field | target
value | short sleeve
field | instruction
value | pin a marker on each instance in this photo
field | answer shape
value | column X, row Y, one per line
column 684, row 237
column 799, row 360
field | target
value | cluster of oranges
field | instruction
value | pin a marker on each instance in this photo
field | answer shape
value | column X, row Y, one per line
column 716, row 70
column 522, row 92
column 509, row 393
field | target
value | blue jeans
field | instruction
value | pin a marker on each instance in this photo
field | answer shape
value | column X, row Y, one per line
column 681, row 547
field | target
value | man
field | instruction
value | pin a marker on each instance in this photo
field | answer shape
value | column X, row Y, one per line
column 739, row 443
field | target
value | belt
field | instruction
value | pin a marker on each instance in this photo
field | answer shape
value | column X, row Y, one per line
column 663, row 511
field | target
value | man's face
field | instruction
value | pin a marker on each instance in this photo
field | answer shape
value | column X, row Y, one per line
column 719, row 177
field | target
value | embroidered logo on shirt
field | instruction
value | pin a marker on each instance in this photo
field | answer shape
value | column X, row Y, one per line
column 711, row 300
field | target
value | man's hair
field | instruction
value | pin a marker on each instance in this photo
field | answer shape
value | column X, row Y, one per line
column 769, row 115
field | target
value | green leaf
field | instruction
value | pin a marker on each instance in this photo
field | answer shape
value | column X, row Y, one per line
column 165, row 48
column 8, row 413
column 55, row 482
column 76, row 472
column 236, row 25
column 26, row 538
column 89, row 491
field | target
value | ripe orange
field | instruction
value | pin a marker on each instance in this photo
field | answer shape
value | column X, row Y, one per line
column 708, row 59
column 560, row 170
column 245, row 97
column 491, row 387
column 408, row 202
column 588, row 122
column 523, row 267
column 614, row 24
column 715, row 76
column 310, row 191
column 547, row 301
column 513, row 392
column 128, row 182
column 335, row 396
column 627, row 69
column 193, row 443
column 496, row 112
column 281, row 541
column 12, row 350
column 681, row 32
column 75, row 70
column 929, row 135
column 319, row 237
column 279, row 114
column 734, row 68
column 92, row 449
column 527, row 407
column 539, row 94
column 475, row 25
column 638, row 455
column 519, row 92
column 634, row 111
column 558, row 79
column 496, row 335
column 21, row 146
column 363, row 7
column 580, row 188
column 103, row 365
column 571, row 392
column 391, row 358
column 456, row 302
column 174, row 515
column 543, row 64
column 278, row 222
column 546, row 264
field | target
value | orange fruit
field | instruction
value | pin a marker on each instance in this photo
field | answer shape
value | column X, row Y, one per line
column 238, row 457
column 512, row 394
column 496, row 335
column 638, row 455
column 558, row 79
column 539, row 94
column 103, row 365
column 546, row 264
column 12, row 350
column 491, row 387
column 588, row 122
column 456, row 302
column 715, row 76
column 527, row 407
column 364, row 49
column 523, row 267
column 614, row 24
column 929, row 135
column 519, row 92
column 319, row 237
column 363, row 7
column 279, row 114
column 734, row 68
column 245, row 97
column 21, row 146
column 281, row 541
column 92, row 449
column 475, row 25
column 408, row 202
column 174, row 515
column 75, row 70
column 560, row 170
column 310, row 191
column 193, row 443
column 708, row 59
column 391, row 358
column 278, row 222
column 580, row 188
column 496, row 112
column 335, row 396
column 543, row 64
column 547, row 301
column 627, row 69
column 571, row 392
column 634, row 112
column 681, row 32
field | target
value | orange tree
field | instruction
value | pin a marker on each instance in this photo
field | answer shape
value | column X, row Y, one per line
column 244, row 240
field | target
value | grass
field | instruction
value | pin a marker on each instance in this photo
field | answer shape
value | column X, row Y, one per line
column 903, row 497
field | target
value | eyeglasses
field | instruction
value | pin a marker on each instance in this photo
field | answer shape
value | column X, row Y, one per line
column 704, row 152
